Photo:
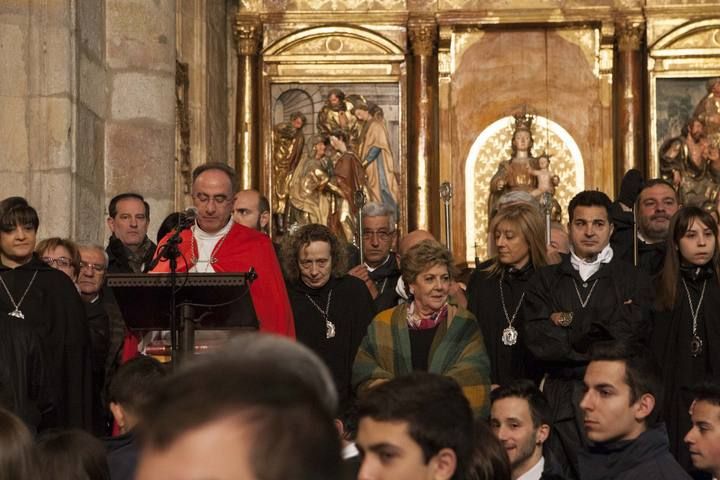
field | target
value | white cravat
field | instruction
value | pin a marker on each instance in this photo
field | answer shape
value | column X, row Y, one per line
column 535, row 472
column 206, row 244
column 350, row 450
column 588, row 269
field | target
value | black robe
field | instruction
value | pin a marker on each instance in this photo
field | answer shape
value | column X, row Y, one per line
column 562, row 352
column 670, row 340
column 386, row 278
column 507, row 363
column 351, row 310
column 54, row 311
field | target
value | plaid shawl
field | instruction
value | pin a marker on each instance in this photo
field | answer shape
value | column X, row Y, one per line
column 457, row 351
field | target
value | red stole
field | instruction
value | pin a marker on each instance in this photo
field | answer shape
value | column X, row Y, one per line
column 242, row 249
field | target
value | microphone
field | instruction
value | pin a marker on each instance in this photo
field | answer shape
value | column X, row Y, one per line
column 186, row 218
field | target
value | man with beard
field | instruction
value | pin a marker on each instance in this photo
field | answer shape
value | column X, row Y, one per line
column 520, row 419
column 129, row 248
column 590, row 296
column 683, row 163
column 251, row 209
column 656, row 203
column 380, row 270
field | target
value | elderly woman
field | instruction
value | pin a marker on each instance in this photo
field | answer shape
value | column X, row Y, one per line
column 60, row 253
column 496, row 290
column 332, row 310
column 429, row 333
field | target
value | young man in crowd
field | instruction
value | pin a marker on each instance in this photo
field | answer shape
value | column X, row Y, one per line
column 226, row 420
column 130, row 389
column 520, row 417
column 415, row 427
column 252, row 209
column 622, row 391
column 703, row 439
column 590, row 296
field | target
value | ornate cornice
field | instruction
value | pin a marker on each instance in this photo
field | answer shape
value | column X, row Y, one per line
column 247, row 33
column 423, row 34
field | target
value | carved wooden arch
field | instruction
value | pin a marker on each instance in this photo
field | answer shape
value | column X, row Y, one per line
column 698, row 38
column 341, row 40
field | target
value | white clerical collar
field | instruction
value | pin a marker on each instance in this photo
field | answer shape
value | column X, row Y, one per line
column 587, row 269
column 400, row 289
column 372, row 269
column 202, row 235
column 535, row 472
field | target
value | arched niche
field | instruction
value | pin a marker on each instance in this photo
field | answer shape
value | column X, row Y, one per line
column 492, row 146
column 679, row 64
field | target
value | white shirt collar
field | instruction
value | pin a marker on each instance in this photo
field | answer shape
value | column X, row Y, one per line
column 535, row 472
column 350, row 450
column 372, row 269
column 587, row 269
column 205, row 245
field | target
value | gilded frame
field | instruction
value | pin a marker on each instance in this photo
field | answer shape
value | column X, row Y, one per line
column 334, row 55
column 690, row 51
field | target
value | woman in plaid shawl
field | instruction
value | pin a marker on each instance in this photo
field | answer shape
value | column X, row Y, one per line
column 429, row 333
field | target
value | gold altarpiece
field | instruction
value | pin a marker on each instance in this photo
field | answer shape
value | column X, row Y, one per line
column 460, row 71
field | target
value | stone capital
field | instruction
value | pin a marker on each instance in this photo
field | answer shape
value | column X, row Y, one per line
column 423, row 36
column 247, row 33
column 629, row 35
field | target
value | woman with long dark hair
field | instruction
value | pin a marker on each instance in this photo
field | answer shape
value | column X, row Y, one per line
column 686, row 321
column 496, row 290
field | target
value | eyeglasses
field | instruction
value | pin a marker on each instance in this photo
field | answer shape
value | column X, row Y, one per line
column 217, row 199
column 382, row 235
column 95, row 267
column 60, row 262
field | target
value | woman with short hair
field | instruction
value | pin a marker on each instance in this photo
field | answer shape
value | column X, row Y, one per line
column 60, row 253
column 331, row 309
column 429, row 333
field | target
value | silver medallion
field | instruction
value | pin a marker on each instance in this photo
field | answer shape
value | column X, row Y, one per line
column 329, row 329
column 17, row 314
column 509, row 336
column 696, row 346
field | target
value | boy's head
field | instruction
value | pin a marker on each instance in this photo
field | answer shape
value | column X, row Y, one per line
column 703, row 439
column 416, row 426
column 131, row 388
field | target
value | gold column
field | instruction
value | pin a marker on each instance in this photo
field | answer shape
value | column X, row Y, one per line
column 423, row 166
column 247, row 39
column 629, row 100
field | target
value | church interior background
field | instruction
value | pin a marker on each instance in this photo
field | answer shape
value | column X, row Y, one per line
column 105, row 96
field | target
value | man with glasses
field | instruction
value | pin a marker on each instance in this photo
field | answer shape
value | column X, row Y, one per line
column 379, row 270
column 93, row 265
column 217, row 244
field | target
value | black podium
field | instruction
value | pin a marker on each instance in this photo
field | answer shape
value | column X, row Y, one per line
column 202, row 301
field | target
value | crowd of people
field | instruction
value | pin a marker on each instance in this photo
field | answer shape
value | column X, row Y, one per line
column 593, row 356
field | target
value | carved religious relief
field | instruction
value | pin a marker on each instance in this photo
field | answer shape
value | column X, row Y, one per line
column 288, row 147
column 691, row 161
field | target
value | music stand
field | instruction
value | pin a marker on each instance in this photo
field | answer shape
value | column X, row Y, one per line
column 205, row 301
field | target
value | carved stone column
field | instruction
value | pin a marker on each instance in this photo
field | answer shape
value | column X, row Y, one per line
column 247, row 33
column 629, row 100
column 423, row 165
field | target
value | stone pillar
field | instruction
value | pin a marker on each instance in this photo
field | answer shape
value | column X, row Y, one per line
column 140, row 129
column 629, row 100
column 423, row 166
column 247, row 38
column 38, row 98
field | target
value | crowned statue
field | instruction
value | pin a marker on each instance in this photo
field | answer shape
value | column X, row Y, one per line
column 524, row 172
